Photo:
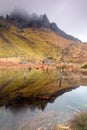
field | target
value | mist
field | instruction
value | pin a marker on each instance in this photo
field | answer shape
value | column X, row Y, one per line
column 69, row 15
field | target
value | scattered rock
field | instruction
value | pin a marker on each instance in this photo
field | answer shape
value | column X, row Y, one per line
column 61, row 127
column 39, row 128
column 47, row 61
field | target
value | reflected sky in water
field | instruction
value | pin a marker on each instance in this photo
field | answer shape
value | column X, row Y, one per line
column 33, row 117
column 75, row 98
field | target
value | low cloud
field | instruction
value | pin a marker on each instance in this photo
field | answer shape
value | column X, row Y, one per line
column 70, row 15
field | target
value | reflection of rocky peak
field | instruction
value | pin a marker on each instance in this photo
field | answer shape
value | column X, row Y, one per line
column 33, row 103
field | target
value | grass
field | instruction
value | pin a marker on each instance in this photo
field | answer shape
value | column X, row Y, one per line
column 37, row 44
column 79, row 122
column 31, row 43
column 84, row 66
column 28, row 43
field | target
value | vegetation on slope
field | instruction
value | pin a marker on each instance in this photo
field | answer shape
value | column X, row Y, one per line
column 84, row 66
column 28, row 43
column 33, row 45
column 22, row 20
column 79, row 122
column 36, row 44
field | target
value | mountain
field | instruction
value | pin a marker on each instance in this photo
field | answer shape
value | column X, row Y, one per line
column 23, row 52
column 54, row 27
column 22, row 20
column 38, row 44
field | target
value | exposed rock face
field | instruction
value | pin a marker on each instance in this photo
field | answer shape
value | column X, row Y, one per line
column 22, row 20
column 54, row 27
column 47, row 61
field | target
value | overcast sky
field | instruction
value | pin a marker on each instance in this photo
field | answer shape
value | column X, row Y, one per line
column 69, row 15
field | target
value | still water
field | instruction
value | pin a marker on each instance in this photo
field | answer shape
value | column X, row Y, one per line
column 45, row 115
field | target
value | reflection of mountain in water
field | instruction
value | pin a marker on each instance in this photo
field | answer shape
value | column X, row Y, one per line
column 39, row 90
column 34, row 103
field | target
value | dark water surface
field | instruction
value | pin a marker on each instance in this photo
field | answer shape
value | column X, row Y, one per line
column 43, row 115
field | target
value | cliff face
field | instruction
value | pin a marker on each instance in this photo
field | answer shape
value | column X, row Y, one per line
column 54, row 27
column 23, row 20
column 23, row 35
column 39, row 44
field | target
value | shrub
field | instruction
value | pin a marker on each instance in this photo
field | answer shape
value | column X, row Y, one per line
column 84, row 66
column 79, row 122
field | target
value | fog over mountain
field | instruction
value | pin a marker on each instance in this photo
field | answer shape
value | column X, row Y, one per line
column 69, row 15
column 22, row 19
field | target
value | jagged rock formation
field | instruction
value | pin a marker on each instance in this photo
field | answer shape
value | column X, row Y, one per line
column 54, row 27
column 23, row 20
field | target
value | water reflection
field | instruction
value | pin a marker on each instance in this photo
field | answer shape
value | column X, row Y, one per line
column 37, row 94
column 26, row 112
column 34, row 103
column 40, row 99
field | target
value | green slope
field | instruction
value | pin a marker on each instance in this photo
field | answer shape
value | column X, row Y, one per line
column 25, row 43
column 37, row 44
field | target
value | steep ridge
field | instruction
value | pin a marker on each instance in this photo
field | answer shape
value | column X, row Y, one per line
column 38, row 43
column 21, row 19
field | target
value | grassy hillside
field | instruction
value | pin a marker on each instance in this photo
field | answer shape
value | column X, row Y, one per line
column 25, row 43
column 34, row 45
column 37, row 44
